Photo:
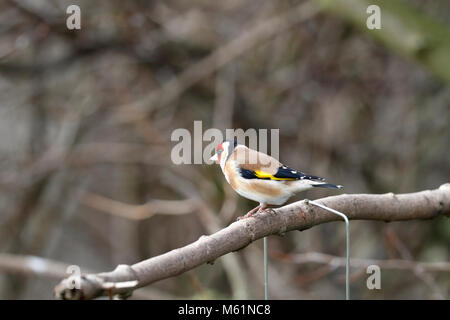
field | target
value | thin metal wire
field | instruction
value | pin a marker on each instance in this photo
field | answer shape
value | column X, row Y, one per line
column 347, row 234
column 266, row 272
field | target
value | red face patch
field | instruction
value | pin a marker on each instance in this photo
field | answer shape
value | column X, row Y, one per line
column 219, row 151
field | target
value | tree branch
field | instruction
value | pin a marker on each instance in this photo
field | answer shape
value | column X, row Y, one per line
column 296, row 216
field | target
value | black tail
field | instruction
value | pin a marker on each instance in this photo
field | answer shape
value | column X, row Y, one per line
column 327, row 185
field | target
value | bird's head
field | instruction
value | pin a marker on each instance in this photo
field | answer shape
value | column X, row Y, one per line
column 223, row 151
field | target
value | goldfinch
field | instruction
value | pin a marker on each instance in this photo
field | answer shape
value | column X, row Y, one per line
column 260, row 177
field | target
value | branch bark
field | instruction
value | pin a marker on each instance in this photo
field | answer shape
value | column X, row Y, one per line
column 296, row 216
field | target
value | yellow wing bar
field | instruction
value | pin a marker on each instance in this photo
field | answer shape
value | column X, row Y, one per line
column 264, row 175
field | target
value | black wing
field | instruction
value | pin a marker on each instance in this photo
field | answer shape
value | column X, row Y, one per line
column 288, row 173
column 283, row 173
column 250, row 174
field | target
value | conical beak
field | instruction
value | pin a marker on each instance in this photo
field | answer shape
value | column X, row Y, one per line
column 214, row 157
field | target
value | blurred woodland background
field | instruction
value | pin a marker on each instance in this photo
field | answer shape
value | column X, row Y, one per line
column 86, row 118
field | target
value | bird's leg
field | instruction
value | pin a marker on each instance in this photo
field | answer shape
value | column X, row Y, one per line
column 262, row 207
column 250, row 213
column 266, row 207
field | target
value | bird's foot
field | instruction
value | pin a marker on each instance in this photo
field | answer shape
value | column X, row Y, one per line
column 249, row 214
column 262, row 208
column 267, row 209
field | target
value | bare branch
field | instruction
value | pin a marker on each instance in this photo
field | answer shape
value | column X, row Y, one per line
column 140, row 212
column 296, row 216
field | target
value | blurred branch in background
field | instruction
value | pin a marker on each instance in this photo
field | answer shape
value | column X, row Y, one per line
column 335, row 261
column 248, row 39
column 140, row 212
column 296, row 216
column 331, row 263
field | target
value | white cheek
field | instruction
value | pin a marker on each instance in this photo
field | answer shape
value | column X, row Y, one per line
column 223, row 159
